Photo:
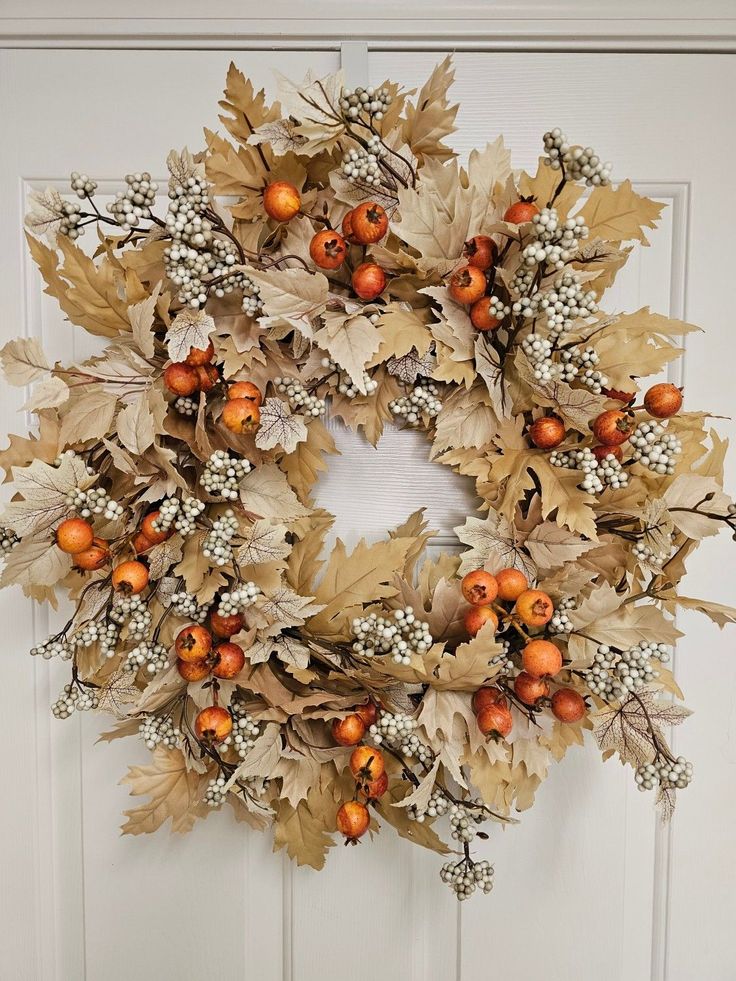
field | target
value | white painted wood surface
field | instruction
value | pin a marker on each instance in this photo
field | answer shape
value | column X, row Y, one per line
column 587, row 886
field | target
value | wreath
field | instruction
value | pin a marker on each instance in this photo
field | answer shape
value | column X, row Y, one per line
column 168, row 490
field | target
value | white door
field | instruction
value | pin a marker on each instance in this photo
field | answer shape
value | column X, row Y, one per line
column 587, row 885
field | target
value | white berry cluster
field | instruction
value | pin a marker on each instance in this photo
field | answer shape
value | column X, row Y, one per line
column 598, row 474
column 74, row 699
column 581, row 164
column 397, row 731
column 126, row 606
column 436, row 806
column 614, row 673
column 53, row 647
column 8, row 540
column 185, row 605
column 139, row 622
column 73, row 455
column 186, row 406
column 464, row 821
column 522, row 279
column 155, row 732
column 539, row 352
column 180, row 514
column 245, row 729
column 69, row 218
column 345, row 385
column 655, row 448
column 503, row 658
column 237, row 600
column 423, row 400
column 135, row 202
column 465, row 877
column 670, row 774
column 299, row 398
column 361, row 166
column 152, row 657
column 646, row 555
column 215, row 793
column 86, row 635
column 611, row 472
column 498, row 309
column 94, row 501
column 222, row 475
column 400, row 634
column 560, row 622
column 216, row 545
column 555, row 243
column 109, row 637
column 82, row 185
column 373, row 102
column 580, row 364
column 167, row 512
column 565, row 302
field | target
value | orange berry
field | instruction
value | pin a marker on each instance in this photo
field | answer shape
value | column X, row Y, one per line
column 130, row 577
column 511, row 584
column 328, row 249
column 94, row 557
column 245, row 390
column 141, row 543
column 528, row 689
column 347, row 228
column 486, row 696
column 368, row 281
column 366, row 763
column 601, row 452
column 547, row 432
column 477, row 616
column 479, row 587
column 193, row 670
column 495, row 720
column 663, row 400
column 541, row 658
column 226, row 626
column 368, row 712
column 193, row 643
column 149, row 531
column 181, row 378
column 534, row 608
column 521, row 212
column 74, row 535
column 348, row 731
column 281, row 200
column 612, row 427
column 376, row 788
column 353, row 820
column 199, row 356
column 368, row 223
column 240, row 416
column 467, row 285
column 480, row 251
column 568, row 705
column 207, row 377
column 229, row 660
column 213, row 724
column 480, row 315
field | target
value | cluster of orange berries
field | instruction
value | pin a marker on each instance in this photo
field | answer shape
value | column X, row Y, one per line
column 367, row 766
column 201, row 652
column 366, row 224
column 242, row 411
column 540, row 658
column 195, row 374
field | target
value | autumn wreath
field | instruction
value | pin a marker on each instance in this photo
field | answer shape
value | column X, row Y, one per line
column 168, row 490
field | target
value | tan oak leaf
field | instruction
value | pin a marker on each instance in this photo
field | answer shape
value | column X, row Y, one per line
column 175, row 793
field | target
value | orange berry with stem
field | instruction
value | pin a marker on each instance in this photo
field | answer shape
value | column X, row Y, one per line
column 94, row 557
column 481, row 315
column 181, row 378
column 74, row 535
column 521, row 212
column 480, row 251
column 528, row 689
column 240, row 416
column 193, row 670
column 193, row 643
column 541, row 658
column 245, row 390
column 366, row 763
column 486, row 696
column 328, row 249
column 281, row 200
column 149, row 531
column 348, row 731
column 130, row 577
column 477, row 617
column 511, row 584
column 663, row 400
column 534, row 608
column 467, row 285
column 495, row 720
column 353, row 820
column 213, row 724
column 376, row 788
column 228, row 660
column 612, row 427
column 199, row 356
column 368, row 223
column 207, row 377
column 568, row 705
column 479, row 587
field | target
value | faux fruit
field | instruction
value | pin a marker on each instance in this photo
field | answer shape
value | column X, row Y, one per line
column 479, row 587
column 94, row 557
column 534, row 608
column 181, row 378
column 601, row 452
column 368, row 281
column 130, row 577
column 495, row 720
column 528, row 689
column 663, row 400
column 484, row 697
column 520, row 212
column 193, row 643
column 511, row 584
column 368, row 712
column 207, row 377
column 480, row 251
column 193, row 670
column 547, row 432
column 149, row 531
column 477, row 617
column 366, row 763
column 328, row 249
column 281, row 201
column 226, row 626
column 368, row 223
column 541, row 658
column 347, row 228
column 198, row 356
column 348, row 731
column 612, row 427
column 245, row 390
column 467, row 285
column 481, row 316
column 74, row 535
column 141, row 544
column 376, row 788
column 353, row 819
column 213, row 724
column 228, row 660
column 568, row 705
column 240, row 416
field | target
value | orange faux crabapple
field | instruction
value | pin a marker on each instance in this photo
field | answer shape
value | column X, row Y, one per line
column 368, row 223
column 528, row 689
column 193, row 670
column 376, row 788
column 240, row 416
column 368, row 281
column 467, row 285
column 328, row 249
column 141, row 544
column 663, row 400
column 207, row 377
column 228, row 660
column 181, row 378
column 193, row 643
column 479, row 587
column 353, row 820
column 612, row 427
column 130, row 577
column 541, row 658
column 477, row 617
column 547, row 432
column 568, row 705
column 213, row 724
column 601, row 452
column 94, row 557
column 495, row 720
column 245, row 390
column 348, row 731
column 368, row 712
column 366, row 763
column 521, row 212
column 484, row 697
column 534, row 608
column 480, row 251
column 511, row 584
column 226, row 626
column 347, row 228
column 481, row 315
column 74, row 535
column 281, row 200
column 149, row 531
column 200, row 356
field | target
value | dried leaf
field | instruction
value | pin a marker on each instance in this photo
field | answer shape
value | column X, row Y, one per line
column 279, row 427
column 175, row 793
column 190, row 328
column 23, row 361
column 619, row 214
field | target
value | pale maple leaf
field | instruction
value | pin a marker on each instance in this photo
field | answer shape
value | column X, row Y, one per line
column 190, row 328
column 635, row 728
column 279, row 426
